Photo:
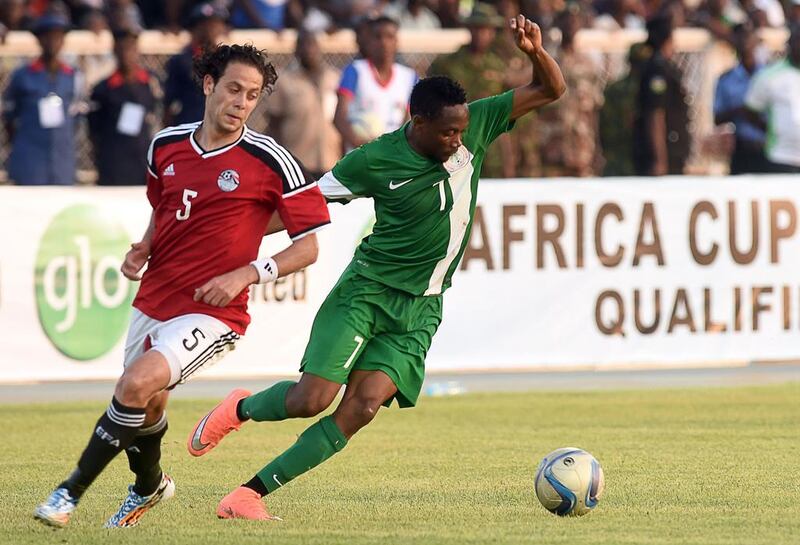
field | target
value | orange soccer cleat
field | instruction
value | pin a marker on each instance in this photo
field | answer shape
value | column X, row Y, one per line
column 216, row 424
column 244, row 503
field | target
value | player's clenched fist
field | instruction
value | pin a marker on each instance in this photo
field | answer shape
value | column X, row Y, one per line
column 134, row 260
column 527, row 34
column 220, row 290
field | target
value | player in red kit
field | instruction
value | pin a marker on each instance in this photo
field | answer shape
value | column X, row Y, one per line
column 214, row 186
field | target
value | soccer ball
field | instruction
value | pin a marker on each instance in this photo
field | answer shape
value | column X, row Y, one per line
column 569, row 481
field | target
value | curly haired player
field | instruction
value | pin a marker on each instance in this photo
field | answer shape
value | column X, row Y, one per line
column 214, row 186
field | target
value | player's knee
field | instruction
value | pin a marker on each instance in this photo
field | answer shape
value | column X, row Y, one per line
column 365, row 409
column 133, row 389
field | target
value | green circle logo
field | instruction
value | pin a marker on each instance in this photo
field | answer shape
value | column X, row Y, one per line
column 82, row 298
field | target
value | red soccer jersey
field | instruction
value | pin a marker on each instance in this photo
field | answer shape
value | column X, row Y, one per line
column 211, row 211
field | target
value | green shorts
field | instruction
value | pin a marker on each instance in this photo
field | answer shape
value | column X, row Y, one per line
column 368, row 326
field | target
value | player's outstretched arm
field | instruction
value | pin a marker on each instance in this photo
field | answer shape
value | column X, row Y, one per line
column 222, row 289
column 139, row 253
column 547, row 84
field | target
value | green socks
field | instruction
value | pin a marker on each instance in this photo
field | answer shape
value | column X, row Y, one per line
column 267, row 405
column 315, row 445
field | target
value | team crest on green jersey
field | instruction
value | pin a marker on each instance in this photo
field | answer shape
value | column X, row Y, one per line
column 458, row 160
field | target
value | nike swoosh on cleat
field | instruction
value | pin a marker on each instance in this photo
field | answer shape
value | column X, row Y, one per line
column 393, row 185
column 198, row 432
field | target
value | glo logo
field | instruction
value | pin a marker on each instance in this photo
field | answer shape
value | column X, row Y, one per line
column 82, row 298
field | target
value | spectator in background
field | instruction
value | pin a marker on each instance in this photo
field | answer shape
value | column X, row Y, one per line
column 38, row 8
column 622, row 14
column 272, row 14
column 153, row 13
column 40, row 106
column 481, row 73
column 13, row 15
column 122, row 114
column 94, row 21
column 363, row 32
column 301, row 109
column 568, row 128
column 748, row 153
column 764, row 13
column 74, row 10
column 98, row 65
column 346, row 13
column 413, row 15
column 543, row 12
column 523, row 141
column 661, row 141
column 719, row 17
column 775, row 91
column 678, row 13
column 183, row 99
column 374, row 92
column 449, row 14
column 479, row 70
column 124, row 12
column 794, row 12
column 617, row 116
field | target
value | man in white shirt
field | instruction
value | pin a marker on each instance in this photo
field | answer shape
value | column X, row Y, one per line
column 374, row 91
column 775, row 91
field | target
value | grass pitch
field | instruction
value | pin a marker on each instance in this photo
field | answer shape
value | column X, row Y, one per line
column 699, row 466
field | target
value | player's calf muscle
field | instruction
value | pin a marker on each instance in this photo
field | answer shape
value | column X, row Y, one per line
column 310, row 396
column 305, row 405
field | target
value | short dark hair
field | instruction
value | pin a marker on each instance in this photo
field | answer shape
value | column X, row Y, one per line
column 659, row 30
column 431, row 95
column 375, row 22
column 213, row 62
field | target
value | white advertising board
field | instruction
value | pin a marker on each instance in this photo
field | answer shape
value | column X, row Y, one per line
column 557, row 273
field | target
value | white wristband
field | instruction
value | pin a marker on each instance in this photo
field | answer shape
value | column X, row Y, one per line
column 267, row 270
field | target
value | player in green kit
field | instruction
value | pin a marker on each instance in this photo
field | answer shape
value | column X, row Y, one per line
column 376, row 325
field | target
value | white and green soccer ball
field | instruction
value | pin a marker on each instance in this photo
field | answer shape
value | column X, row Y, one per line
column 569, row 482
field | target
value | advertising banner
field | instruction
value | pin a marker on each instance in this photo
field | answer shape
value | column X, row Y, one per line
column 557, row 274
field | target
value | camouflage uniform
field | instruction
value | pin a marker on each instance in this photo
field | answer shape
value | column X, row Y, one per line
column 616, row 126
column 481, row 76
column 618, row 114
column 568, row 128
column 524, row 139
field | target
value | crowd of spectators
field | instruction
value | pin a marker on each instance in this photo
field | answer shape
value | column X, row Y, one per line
column 633, row 120
column 719, row 16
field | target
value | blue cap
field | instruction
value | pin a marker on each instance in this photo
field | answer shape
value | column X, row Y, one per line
column 50, row 21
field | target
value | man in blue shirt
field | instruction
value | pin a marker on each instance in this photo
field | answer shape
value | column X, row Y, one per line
column 40, row 106
column 748, row 154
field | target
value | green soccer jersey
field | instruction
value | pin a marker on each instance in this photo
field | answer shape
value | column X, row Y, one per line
column 423, row 208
